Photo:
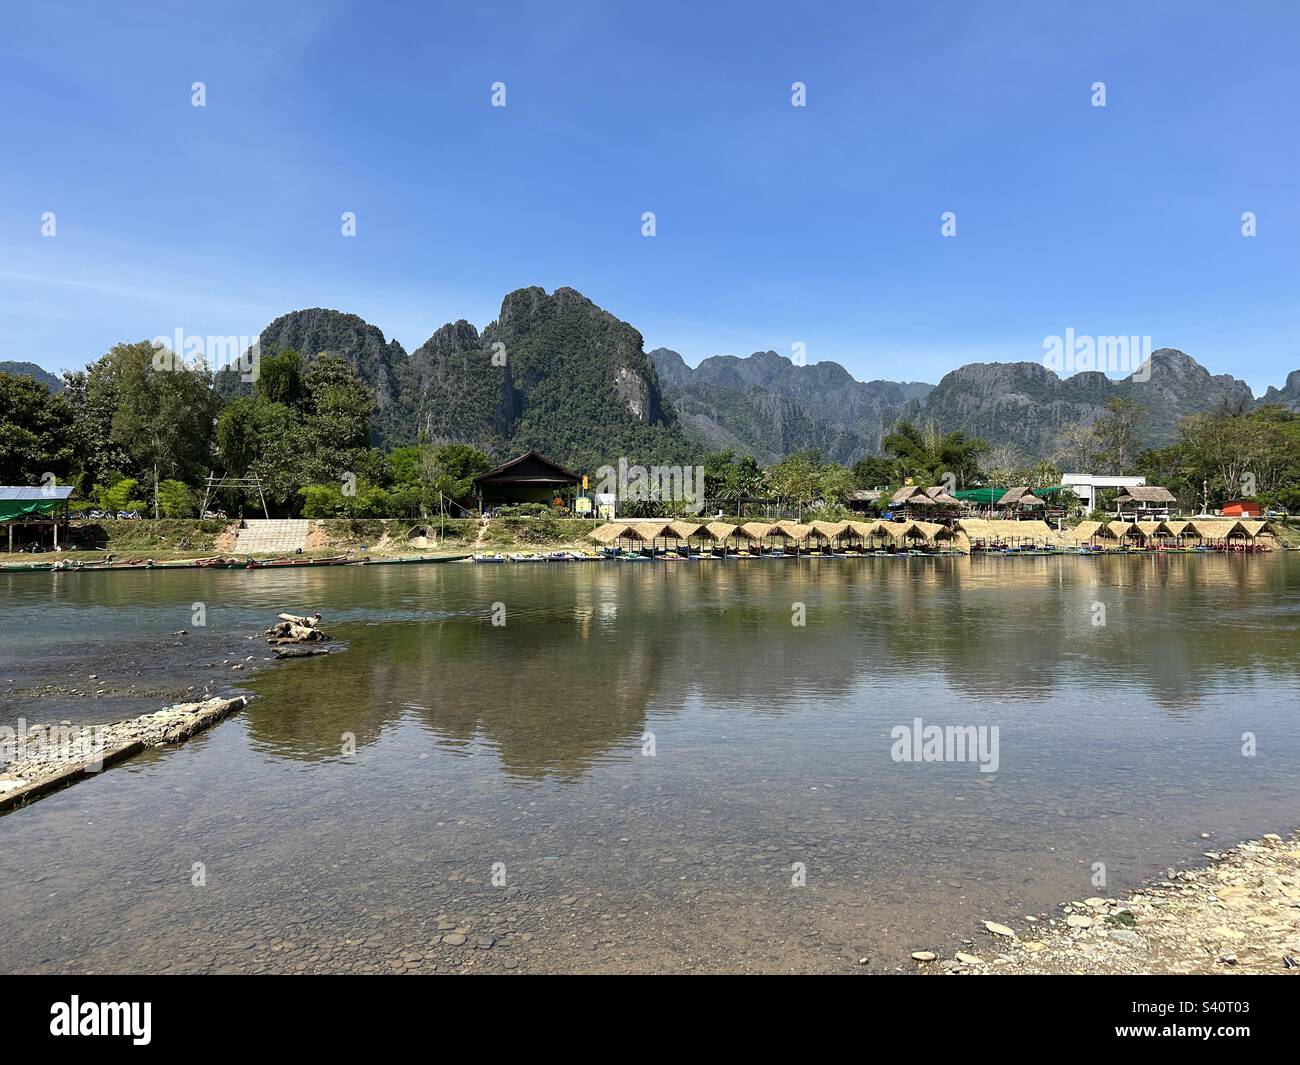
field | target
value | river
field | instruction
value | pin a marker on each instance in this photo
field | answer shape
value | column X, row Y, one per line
column 638, row 767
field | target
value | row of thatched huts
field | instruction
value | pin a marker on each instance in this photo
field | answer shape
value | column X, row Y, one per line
column 966, row 534
column 983, row 534
column 756, row 536
column 1173, row 532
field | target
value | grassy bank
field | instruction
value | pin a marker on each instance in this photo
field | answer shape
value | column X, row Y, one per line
column 179, row 538
column 175, row 538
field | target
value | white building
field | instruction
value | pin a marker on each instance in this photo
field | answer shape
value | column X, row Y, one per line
column 1085, row 485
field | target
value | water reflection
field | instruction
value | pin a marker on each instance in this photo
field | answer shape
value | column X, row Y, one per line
column 590, row 657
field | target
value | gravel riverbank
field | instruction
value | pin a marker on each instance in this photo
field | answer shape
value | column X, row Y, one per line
column 47, row 757
column 1239, row 915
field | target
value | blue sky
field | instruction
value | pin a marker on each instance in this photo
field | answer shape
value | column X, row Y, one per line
column 776, row 225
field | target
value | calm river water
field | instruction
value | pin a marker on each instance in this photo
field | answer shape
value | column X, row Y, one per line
column 646, row 767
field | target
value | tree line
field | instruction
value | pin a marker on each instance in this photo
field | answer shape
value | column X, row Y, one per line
column 141, row 429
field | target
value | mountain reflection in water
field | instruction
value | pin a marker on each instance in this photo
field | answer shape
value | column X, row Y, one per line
column 590, row 655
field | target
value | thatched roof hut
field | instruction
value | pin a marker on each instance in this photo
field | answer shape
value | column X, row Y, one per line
column 1208, row 528
column 684, row 530
column 1153, row 529
column 834, row 530
column 1006, row 530
column 1176, row 528
column 907, row 494
column 721, row 530
column 899, row 530
column 939, row 495
column 614, row 530
column 1145, row 495
column 1123, row 529
column 654, row 530
column 929, row 531
column 1090, row 530
column 1224, row 529
column 756, row 530
column 864, row 530
column 1023, row 496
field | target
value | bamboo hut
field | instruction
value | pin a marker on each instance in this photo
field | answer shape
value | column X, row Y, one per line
column 1124, row 531
column 758, row 531
column 721, row 532
column 1146, row 500
column 930, row 532
column 831, row 533
column 939, row 496
column 861, row 531
column 1244, row 534
column 612, row 532
column 1016, row 500
column 908, row 498
column 905, row 495
column 799, row 535
column 1208, row 532
column 1155, row 533
column 900, row 531
column 684, row 531
column 1092, row 531
column 654, row 531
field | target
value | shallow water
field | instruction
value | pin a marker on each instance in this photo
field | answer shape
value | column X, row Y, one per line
column 643, row 752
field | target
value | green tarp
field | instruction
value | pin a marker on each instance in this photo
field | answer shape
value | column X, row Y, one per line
column 980, row 495
column 23, row 508
column 989, row 496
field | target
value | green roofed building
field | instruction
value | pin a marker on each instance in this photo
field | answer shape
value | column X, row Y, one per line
column 34, row 510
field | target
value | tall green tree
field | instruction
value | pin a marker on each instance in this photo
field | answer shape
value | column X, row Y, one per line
column 796, row 479
column 36, row 432
column 729, row 478
column 925, row 453
column 160, row 412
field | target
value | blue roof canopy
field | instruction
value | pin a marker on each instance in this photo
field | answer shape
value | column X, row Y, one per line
column 54, row 491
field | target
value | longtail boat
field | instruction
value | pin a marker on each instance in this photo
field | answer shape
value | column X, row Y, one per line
column 411, row 560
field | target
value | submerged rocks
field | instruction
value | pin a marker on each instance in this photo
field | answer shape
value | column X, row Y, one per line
column 65, row 755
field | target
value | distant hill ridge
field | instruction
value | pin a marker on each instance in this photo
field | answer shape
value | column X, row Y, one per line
column 557, row 373
column 37, row 373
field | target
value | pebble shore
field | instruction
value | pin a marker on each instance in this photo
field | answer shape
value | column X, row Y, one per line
column 1241, row 914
